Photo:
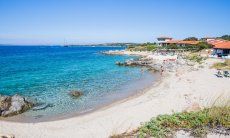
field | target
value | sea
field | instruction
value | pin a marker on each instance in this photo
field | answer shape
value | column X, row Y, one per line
column 47, row 74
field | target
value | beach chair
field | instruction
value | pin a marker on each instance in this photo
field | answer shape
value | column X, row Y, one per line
column 226, row 74
column 219, row 74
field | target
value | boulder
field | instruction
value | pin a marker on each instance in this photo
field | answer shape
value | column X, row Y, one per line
column 14, row 105
column 5, row 102
column 76, row 94
column 7, row 136
column 136, row 62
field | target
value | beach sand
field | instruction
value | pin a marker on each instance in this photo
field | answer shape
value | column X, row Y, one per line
column 177, row 91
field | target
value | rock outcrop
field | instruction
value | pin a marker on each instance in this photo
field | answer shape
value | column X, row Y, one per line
column 137, row 62
column 13, row 105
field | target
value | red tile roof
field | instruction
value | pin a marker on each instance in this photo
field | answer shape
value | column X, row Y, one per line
column 182, row 42
column 222, row 45
column 216, row 41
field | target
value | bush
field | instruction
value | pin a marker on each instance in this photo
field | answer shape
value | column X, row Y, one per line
column 225, row 37
column 143, row 47
column 151, row 47
column 197, row 122
column 203, row 45
column 191, row 39
column 195, row 58
column 224, row 65
column 171, row 46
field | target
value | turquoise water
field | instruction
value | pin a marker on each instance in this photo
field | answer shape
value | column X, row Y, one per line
column 47, row 74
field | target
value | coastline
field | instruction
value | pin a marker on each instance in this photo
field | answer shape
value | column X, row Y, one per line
column 23, row 119
column 175, row 92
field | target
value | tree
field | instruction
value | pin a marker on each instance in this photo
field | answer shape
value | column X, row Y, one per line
column 191, row 39
column 225, row 37
column 151, row 47
column 172, row 46
column 203, row 45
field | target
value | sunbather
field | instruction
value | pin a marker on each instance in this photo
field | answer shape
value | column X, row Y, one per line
column 226, row 74
column 219, row 74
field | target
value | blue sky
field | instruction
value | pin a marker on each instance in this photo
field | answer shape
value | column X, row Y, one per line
column 99, row 21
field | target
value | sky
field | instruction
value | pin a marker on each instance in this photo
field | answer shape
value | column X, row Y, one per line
column 103, row 21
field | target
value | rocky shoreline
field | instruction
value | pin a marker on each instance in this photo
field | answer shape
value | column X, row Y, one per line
column 17, row 104
column 154, row 61
column 13, row 105
column 152, row 64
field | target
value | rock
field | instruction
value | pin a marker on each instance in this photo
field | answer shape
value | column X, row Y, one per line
column 152, row 69
column 189, row 63
column 5, row 103
column 119, row 63
column 76, row 94
column 137, row 62
column 7, row 136
column 14, row 105
column 42, row 106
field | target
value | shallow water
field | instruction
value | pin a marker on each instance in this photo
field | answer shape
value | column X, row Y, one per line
column 47, row 74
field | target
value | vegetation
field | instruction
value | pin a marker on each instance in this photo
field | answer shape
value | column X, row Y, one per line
column 203, row 45
column 191, row 39
column 198, row 123
column 195, row 58
column 225, row 37
column 200, row 46
column 224, row 65
column 171, row 46
column 143, row 47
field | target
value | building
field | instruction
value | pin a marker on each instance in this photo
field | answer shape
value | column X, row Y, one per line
column 221, row 48
column 180, row 43
column 206, row 39
column 163, row 39
column 166, row 41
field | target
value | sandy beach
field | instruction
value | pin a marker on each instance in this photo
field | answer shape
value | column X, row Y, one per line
column 114, row 69
column 177, row 91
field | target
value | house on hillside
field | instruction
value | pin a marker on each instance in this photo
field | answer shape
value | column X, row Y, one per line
column 163, row 39
column 166, row 41
column 180, row 43
column 221, row 48
column 207, row 39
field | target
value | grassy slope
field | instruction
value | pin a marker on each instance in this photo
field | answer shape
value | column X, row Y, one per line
column 198, row 123
column 225, row 65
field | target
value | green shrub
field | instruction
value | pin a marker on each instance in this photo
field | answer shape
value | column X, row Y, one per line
column 224, row 65
column 203, row 45
column 191, row 39
column 197, row 122
column 143, row 47
column 151, row 47
column 195, row 58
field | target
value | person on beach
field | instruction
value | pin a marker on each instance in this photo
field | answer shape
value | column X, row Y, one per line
column 162, row 70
